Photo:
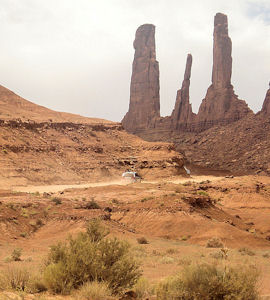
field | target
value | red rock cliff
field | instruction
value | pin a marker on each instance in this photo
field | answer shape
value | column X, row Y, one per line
column 144, row 106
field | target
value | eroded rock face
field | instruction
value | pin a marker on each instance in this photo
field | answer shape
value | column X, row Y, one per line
column 266, row 104
column 221, row 105
column 144, row 106
column 182, row 113
column 222, row 53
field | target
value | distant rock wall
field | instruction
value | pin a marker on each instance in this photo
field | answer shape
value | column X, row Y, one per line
column 220, row 105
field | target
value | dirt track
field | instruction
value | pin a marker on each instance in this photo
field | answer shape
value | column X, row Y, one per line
column 59, row 188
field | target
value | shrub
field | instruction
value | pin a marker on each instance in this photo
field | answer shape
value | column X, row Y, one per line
column 91, row 205
column 202, row 193
column 56, row 201
column 167, row 260
column 142, row 288
column 209, row 282
column 16, row 254
column 142, row 240
column 90, row 257
column 95, row 231
column 172, row 251
column 94, row 291
column 214, row 243
column 246, row 251
column 14, row 278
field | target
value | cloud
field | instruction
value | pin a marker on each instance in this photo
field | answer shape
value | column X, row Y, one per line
column 76, row 56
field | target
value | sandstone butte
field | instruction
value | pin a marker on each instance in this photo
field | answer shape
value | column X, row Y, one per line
column 219, row 107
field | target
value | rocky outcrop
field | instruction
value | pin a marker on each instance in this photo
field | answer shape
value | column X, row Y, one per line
column 266, row 104
column 144, row 106
column 221, row 105
column 182, row 113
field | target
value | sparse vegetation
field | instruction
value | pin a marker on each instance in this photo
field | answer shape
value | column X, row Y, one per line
column 172, row 251
column 142, row 288
column 142, row 240
column 91, row 205
column 56, row 201
column 210, row 282
column 214, row 243
column 203, row 193
column 167, row 260
column 15, row 278
column 246, row 251
column 16, row 254
column 89, row 257
column 185, row 237
column 94, row 291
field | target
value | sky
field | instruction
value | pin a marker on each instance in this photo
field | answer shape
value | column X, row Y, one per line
column 76, row 55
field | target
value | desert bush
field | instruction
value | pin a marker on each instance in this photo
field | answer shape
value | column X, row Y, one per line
column 91, row 205
column 142, row 288
column 14, row 278
column 172, row 251
column 210, row 282
column 214, row 243
column 246, row 251
column 95, row 231
column 16, row 254
column 94, row 291
column 142, row 240
column 167, row 260
column 90, row 257
column 202, row 193
column 56, row 201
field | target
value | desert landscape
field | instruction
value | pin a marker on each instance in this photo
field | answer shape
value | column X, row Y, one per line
column 73, row 227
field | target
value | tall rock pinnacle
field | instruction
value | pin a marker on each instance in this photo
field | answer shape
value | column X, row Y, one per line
column 144, row 106
column 222, row 53
column 221, row 105
column 182, row 113
column 266, row 103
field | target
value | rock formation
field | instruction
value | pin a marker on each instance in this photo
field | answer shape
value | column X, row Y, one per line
column 182, row 113
column 144, row 106
column 266, row 104
column 221, row 105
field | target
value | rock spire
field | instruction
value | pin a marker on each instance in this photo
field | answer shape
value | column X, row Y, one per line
column 266, row 103
column 182, row 113
column 221, row 105
column 144, row 106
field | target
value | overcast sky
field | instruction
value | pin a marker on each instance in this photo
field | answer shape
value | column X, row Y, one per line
column 76, row 55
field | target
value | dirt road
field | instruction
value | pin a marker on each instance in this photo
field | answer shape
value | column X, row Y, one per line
column 59, row 188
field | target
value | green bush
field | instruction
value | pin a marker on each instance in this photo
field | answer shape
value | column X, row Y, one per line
column 90, row 257
column 210, row 282
column 94, row 291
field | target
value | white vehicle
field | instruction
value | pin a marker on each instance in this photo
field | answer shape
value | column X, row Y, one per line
column 132, row 176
